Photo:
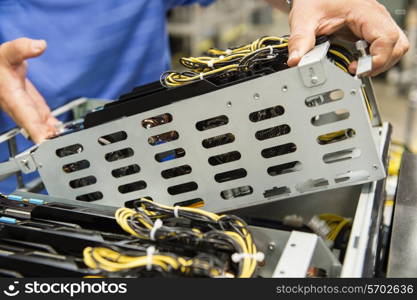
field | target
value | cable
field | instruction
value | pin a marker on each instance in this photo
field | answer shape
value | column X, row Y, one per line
column 152, row 223
column 260, row 54
column 336, row 224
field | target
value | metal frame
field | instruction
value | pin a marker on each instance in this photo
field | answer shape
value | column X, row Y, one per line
column 290, row 89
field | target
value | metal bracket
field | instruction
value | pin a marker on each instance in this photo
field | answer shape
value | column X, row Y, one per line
column 22, row 162
column 26, row 162
column 311, row 66
column 365, row 60
column 297, row 255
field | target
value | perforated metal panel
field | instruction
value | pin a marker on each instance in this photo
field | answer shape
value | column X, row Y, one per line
column 274, row 131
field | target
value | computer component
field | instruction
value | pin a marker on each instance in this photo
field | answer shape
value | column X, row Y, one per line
column 238, row 129
column 44, row 237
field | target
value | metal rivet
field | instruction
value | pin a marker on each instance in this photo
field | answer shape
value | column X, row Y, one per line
column 256, row 96
column 284, row 88
column 229, row 104
column 353, row 92
column 271, row 246
column 314, row 80
column 375, row 167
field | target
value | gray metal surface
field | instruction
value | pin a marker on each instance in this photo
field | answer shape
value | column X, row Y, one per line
column 297, row 255
column 402, row 260
column 236, row 102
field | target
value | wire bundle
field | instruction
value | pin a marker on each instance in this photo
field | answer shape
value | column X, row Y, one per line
column 225, row 63
column 336, row 224
column 217, row 245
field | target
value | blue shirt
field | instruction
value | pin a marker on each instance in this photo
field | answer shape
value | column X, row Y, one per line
column 96, row 48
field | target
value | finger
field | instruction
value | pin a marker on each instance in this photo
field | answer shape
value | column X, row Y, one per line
column 381, row 51
column 400, row 49
column 22, row 109
column 40, row 103
column 17, row 51
column 353, row 67
column 303, row 34
column 330, row 26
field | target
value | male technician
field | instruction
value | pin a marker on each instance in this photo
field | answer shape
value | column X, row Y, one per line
column 103, row 48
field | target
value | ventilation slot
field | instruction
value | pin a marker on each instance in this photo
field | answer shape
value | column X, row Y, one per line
column 336, row 136
column 218, row 140
column 272, row 132
column 312, row 184
column 284, row 168
column 69, row 150
column 175, row 172
column 112, row 138
column 157, row 121
column 212, row 123
column 182, row 188
column 82, row 182
column 342, row 155
column 194, row 203
column 279, row 150
column 354, row 176
column 163, row 138
column 277, row 192
column 329, row 97
column 125, row 171
column 132, row 187
column 76, row 166
column 230, row 175
column 170, row 155
column 119, row 154
column 90, row 197
column 331, row 117
column 224, row 158
column 236, row 192
column 267, row 113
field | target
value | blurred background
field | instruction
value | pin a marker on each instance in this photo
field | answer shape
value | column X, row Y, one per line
column 228, row 23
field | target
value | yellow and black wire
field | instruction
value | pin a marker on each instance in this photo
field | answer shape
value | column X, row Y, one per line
column 225, row 232
column 227, row 62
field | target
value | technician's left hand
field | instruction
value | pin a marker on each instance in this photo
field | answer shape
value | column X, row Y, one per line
column 352, row 19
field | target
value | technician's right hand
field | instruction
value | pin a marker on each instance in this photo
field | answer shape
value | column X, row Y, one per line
column 18, row 97
column 349, row 19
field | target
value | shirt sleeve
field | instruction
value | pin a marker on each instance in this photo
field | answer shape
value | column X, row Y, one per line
column 172, row 3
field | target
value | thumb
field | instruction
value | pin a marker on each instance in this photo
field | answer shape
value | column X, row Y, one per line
column 17, row 51
column 303, row 35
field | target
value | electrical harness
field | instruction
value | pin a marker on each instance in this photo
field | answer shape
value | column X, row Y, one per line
column 164, row 227
column 258, row 55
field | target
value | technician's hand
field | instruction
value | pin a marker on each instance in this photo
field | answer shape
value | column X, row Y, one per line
column 18, row 97
column 358, row 19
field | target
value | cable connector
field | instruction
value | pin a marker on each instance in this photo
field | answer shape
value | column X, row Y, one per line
column 237, row 257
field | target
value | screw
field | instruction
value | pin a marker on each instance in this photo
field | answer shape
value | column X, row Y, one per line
column 256, row 96
column 25, row 163
column 361, row 46
column 271, row 246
